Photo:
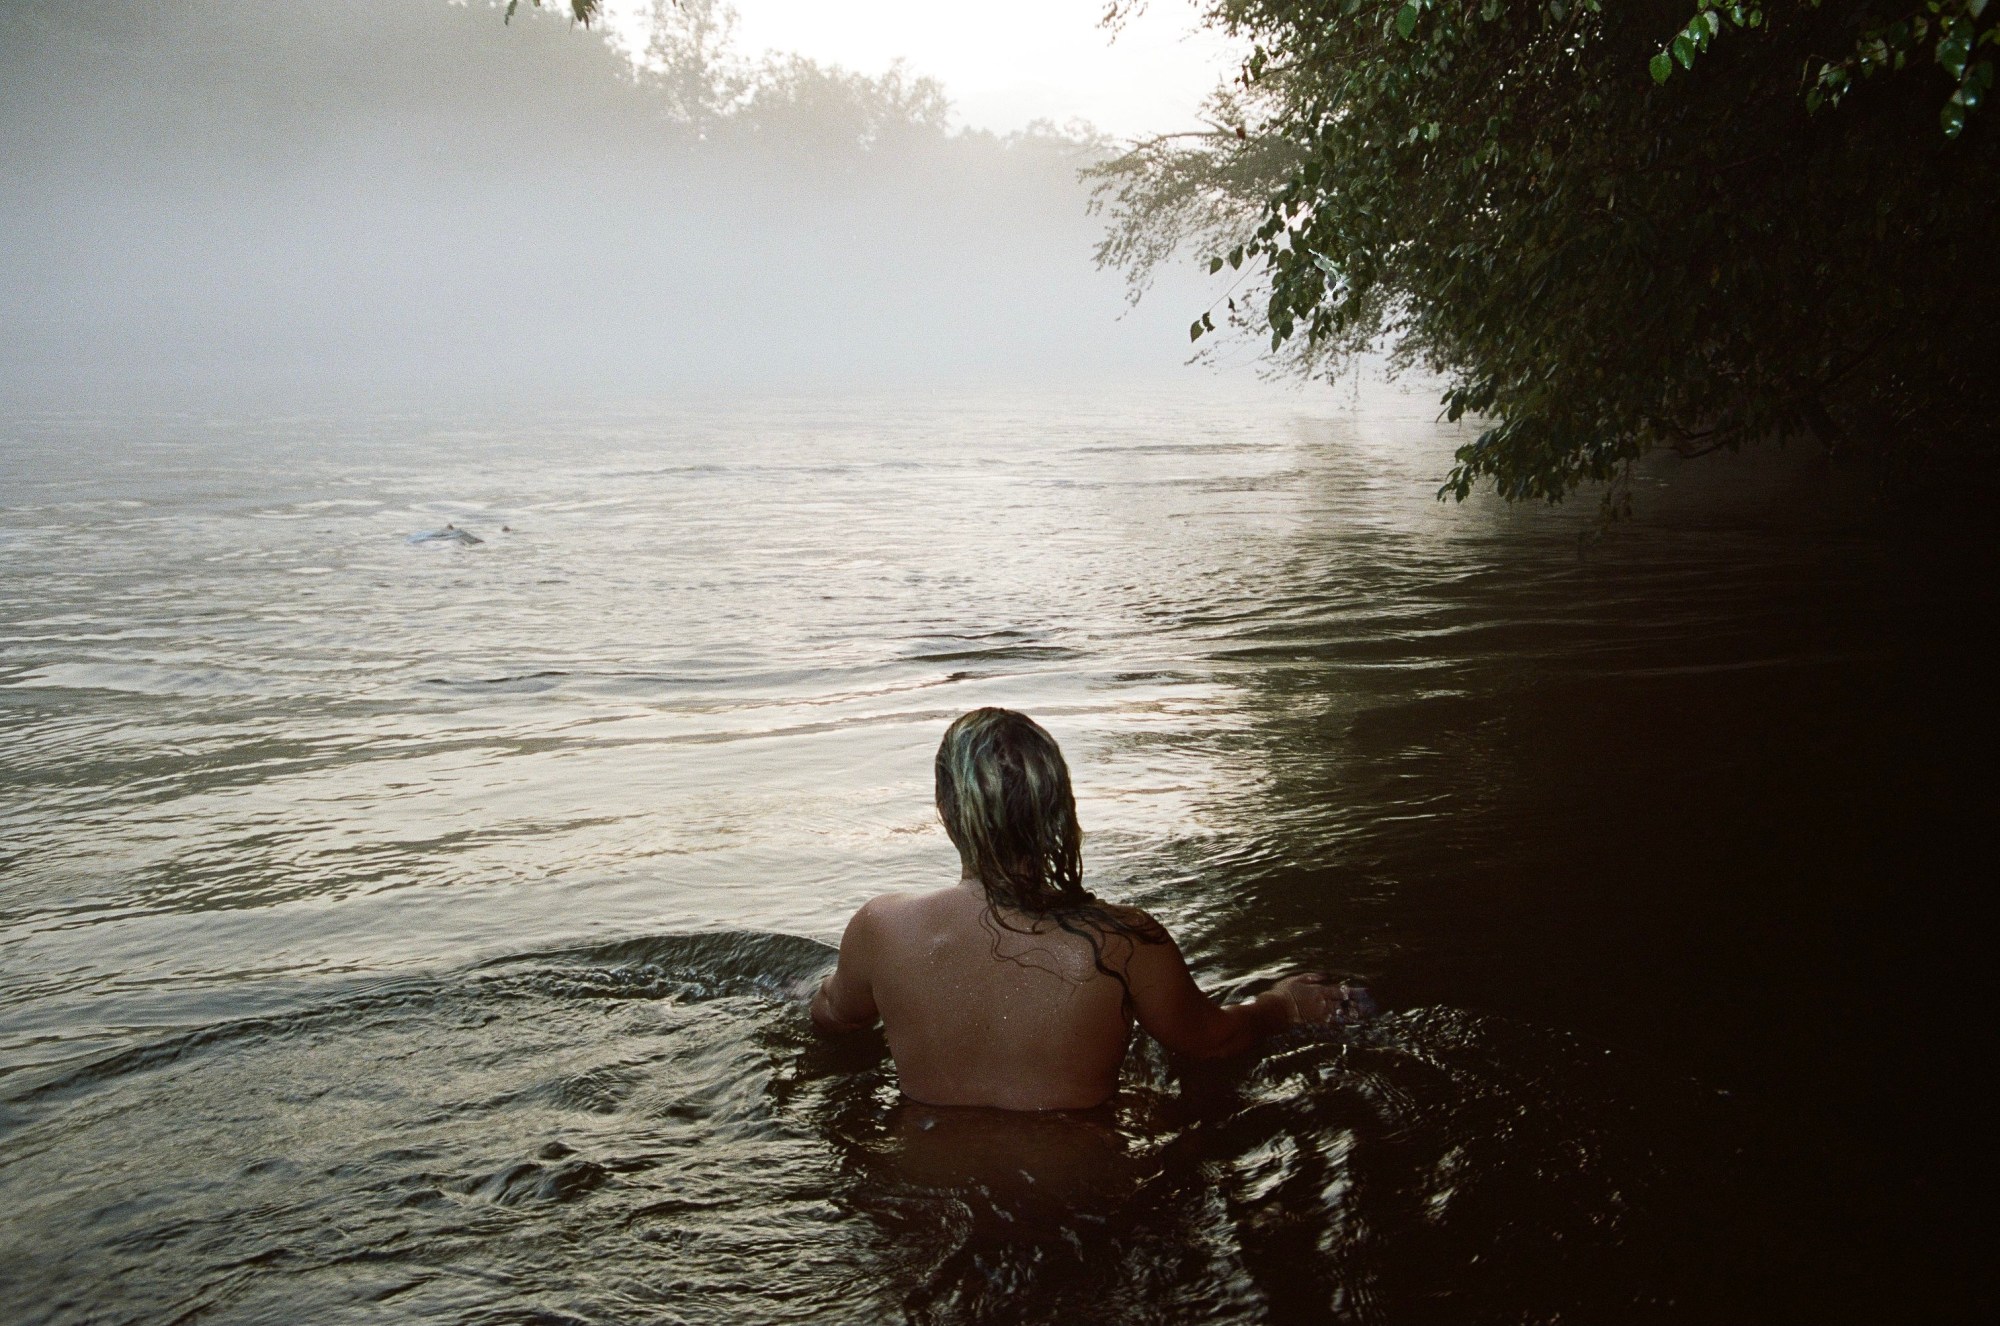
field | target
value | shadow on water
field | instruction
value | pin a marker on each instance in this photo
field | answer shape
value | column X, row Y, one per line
column 1711, row 797
column 648, row 1131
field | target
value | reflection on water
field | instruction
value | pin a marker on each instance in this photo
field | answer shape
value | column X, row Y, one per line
column 401, row 929
column 649, row 1130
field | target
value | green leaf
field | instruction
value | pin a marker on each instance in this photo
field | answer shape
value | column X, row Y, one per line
column 1236, row 257
column 1484, row 273
column 1214, row 266
column 1194, row 330
column 1952, row 117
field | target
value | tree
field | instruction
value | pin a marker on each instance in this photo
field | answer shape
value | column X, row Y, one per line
column 688, row 59
column 1599, row 259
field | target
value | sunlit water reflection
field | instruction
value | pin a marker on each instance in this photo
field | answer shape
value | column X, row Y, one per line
column 408, row 931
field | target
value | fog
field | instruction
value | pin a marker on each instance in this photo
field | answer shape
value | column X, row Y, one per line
column 408, row 201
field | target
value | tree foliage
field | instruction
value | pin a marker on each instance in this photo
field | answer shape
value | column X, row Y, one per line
column 1765, row 242
column 707, row 90
column 1949, row 30
column 583, row 11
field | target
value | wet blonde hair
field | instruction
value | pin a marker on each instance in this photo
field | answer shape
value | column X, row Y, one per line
column 1004, row 795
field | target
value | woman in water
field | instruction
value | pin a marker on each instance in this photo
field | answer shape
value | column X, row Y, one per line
column 1015, row 987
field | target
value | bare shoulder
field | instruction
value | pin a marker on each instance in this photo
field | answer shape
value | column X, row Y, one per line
column 878, row 911
column 1127, row 938
column 886, row 914
column 1143, row 926
column 1156, row 973
column 879, row 906
column 869, row 937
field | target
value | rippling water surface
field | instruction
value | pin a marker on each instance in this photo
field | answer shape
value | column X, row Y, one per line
column 409, row 931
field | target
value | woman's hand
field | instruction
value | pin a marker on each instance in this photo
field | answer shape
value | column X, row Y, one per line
column 1318, row 999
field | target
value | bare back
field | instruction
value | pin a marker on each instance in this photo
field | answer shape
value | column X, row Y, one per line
column 1013, row 1012
column 977, row 1012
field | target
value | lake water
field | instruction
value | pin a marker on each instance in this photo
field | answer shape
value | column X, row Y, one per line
column 397, row 931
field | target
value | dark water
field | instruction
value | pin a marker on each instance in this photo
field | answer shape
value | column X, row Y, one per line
column 410, row 932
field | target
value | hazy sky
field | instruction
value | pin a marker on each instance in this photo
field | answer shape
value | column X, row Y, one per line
column 1005, row 65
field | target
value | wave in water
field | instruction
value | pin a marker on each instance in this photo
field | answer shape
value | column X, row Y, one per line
column 648, row 1130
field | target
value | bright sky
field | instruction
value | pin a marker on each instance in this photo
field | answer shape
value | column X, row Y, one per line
column 1005, row 64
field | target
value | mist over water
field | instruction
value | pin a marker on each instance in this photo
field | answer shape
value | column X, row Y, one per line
column 487, row 554
column 408, row 202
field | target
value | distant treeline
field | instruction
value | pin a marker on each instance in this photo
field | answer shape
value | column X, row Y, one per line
column 413, row 198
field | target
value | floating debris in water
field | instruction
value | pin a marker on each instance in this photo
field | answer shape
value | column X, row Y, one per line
column 449, row 534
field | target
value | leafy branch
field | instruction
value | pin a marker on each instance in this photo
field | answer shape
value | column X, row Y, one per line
column 1490, row 190
column 1949, row 29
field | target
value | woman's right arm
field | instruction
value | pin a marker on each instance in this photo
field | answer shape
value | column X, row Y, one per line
column 845, row 1000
